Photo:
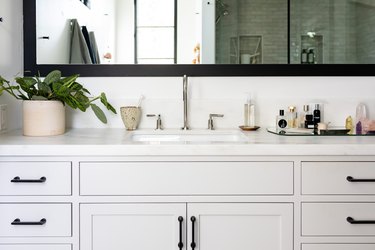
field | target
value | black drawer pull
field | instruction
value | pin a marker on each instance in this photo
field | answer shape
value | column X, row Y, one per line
column 180, row 244
column 18, row 222
column 193, row 245
column 17, row 179
column 353, row 221
column 351, row 179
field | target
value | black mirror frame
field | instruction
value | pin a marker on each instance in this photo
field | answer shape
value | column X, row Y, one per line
column 31, row 68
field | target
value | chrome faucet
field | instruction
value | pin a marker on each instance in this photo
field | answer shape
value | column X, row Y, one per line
column 184, row 97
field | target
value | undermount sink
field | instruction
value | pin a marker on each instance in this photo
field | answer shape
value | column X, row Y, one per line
column 188, row 136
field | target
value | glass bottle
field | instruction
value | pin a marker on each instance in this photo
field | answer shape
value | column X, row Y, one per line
column 292, row 117
column 311, row 56
column 361, row 116
column 281, row 122
column 249, row 112
column 304, row 56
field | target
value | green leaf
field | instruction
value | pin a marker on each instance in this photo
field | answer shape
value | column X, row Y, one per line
column 76, row 87
column 38, row 97
column 99, row 113
column 82, row 98
column 69, row 81
column 60, row 90
column 44, row 89
column 26, row 82
column 53, row 76
column 85, row 90
column 23, row 97
column 69, row 100
column 2, row 81
column 27, row 85
column 105, row 102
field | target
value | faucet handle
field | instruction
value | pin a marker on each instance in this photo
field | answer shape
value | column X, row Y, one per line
column 158, row 121
column 211, row 120
column 216, row 115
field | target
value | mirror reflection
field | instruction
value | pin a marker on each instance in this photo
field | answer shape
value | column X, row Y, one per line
column 205, row 32
column 332, row 32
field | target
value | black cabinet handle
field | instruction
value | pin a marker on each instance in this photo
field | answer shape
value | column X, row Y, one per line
column 353, row 221
column 180, row 244
column 17, row 179
column 18, row 222
column 193, row 244
column 351, row 179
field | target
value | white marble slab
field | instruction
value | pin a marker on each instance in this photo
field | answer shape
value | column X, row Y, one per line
column 108, row 142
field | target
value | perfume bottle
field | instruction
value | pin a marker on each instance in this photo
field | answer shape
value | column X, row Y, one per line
column 281, row 122
column 292, row 117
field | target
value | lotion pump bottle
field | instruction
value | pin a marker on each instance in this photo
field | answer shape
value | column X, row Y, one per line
column 281, row 123
column 249, row 112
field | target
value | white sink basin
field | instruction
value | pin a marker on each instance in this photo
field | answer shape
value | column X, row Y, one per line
column 188, row 136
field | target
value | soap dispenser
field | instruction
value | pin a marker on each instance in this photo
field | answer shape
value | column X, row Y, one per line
column 249, row 112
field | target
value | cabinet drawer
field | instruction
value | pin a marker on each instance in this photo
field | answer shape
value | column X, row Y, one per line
column 35, row 178
column 331, row 177
column 186, row 178
column 34, row 247
column 56, row 218
column 338, row 246
column 330, row 219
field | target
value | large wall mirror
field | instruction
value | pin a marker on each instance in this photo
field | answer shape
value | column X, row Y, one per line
column 200, row 37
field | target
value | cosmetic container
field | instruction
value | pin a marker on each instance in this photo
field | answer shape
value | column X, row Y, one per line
column 281, row 122
column 292, row 117
column 360, row 117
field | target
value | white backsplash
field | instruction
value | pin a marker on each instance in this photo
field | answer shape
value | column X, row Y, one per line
column 163, row 95
column 226, row 95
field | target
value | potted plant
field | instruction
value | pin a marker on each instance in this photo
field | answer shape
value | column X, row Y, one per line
column 44, row 101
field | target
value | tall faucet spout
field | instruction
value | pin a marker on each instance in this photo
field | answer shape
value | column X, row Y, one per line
column 184, row 97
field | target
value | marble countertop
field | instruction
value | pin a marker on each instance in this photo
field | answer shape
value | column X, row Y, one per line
column 115, row 142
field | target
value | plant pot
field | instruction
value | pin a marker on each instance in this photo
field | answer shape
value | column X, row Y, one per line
column 43, row 118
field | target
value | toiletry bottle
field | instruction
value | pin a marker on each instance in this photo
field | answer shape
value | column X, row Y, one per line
column 311, row 56
column 281, row 123
column 349, row 124
column 302, row 116
column 292, row 117
column 304, row 56
column 360, row 117
column 249, row 112
column 309, row 123
column 317, row 118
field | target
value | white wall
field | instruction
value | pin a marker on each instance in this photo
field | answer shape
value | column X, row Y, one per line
column 207, row 95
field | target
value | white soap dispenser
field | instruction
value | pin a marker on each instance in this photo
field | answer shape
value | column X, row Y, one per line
column 249, row 112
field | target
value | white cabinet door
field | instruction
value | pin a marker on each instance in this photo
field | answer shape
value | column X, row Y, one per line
column 132, row 226
column 262, row 226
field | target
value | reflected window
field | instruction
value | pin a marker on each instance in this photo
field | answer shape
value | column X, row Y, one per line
column 155, row 32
